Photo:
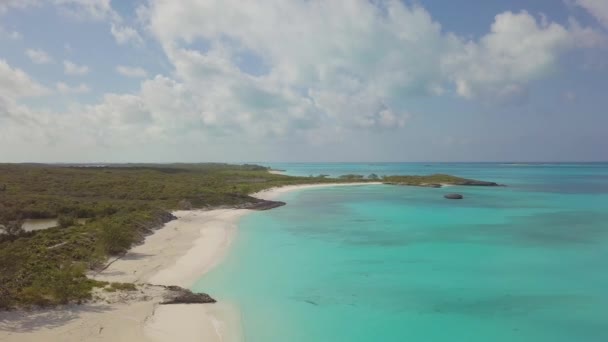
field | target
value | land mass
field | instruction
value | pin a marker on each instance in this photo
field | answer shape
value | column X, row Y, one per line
column 435, row 181
column 104, row 210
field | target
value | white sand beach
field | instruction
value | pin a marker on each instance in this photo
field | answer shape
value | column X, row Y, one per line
column 177, row 254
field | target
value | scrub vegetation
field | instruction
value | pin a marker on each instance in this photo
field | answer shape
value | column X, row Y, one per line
column 121, row 204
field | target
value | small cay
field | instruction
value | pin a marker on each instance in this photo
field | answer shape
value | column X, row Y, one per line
column 435, row 181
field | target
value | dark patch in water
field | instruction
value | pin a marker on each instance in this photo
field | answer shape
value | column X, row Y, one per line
column 504, row 305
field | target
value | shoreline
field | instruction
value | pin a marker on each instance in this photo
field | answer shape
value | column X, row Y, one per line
column 179, row 253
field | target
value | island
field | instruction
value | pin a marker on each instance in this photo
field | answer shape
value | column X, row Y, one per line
column 100, row 211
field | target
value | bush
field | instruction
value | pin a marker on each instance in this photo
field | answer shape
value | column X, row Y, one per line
column 115, row 238
column 121, row 287
column 14, row 228
column 66, row 221
column 351, row 177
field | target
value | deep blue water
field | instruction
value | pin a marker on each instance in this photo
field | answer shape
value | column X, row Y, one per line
column 524, row 262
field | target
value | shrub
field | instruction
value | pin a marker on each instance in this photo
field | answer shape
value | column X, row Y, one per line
column 351, row 177
column 121, row 287
column 115, row 238
column 14, row 228
column 66, row 221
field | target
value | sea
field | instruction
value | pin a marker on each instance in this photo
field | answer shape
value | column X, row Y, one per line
column 524, row 262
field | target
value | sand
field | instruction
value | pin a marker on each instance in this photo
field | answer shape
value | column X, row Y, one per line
column 177, row 254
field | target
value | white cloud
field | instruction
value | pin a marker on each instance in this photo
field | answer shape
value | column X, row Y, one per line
column 597, row 8
column 71, row 68
column 125, row 34
column 66, row 89
column 517, row 50
column 38, row 56
column 352, row 64
column 8, row 34
column 135, row 72
column 5, row 5
column 16, row 84
column 322, row 68
column 83, row 10
column 88, row 9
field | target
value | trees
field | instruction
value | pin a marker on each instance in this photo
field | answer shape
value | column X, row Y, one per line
column 115, row 237
column 351, row 177
column 66, row 221
column 373, row 176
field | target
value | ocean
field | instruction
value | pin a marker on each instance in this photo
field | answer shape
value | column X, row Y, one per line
column 525, row 262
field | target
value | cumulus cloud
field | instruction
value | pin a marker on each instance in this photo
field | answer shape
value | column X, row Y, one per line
column 518, row 49
column 353, row 64
column 313, row 68
column 71, row 68
column 83, row 10
column 101, row 10
column 135, row 72
column 66, row 89
column 88, row 9
column 38, row 56
column 125, row 34
column 9, row 34
column 5, row 5
column 597, row 8
column 16, row 84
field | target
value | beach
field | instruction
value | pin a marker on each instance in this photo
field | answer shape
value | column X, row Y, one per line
column 179, row 253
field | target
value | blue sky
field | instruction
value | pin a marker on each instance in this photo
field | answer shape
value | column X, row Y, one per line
column 352, row 80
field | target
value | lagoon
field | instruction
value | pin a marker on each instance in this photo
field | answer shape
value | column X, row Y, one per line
column 378, row 262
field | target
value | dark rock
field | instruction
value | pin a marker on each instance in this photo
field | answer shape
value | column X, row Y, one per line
column 262, row 205
column 268, row 205
column 178, row 295
column 453, row 196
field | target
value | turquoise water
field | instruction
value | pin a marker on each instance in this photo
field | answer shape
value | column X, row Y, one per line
column 384, row 263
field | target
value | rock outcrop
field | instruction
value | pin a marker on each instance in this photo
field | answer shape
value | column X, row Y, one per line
column 453, row 196
column 179, row 295
column 260, row 204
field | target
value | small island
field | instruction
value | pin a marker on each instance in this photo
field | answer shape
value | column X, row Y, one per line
column 435, row 181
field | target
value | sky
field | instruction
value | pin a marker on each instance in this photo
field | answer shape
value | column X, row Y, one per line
column 303, row 80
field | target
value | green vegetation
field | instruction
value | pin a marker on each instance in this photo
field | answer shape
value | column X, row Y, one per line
column 351, row 177
column 65, row 221
column 120, row 287
column 433, row 180
column 122, row 203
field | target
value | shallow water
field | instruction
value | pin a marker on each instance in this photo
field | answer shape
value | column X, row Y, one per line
column 387, row 263
column 40, row 224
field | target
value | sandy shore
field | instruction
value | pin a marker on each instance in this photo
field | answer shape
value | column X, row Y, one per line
column 177, row 254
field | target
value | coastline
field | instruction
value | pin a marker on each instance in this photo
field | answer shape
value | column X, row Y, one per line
column 179, row 253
